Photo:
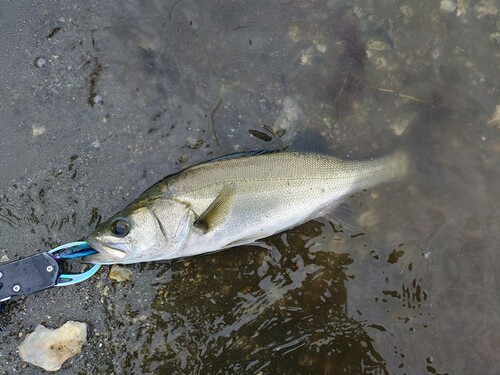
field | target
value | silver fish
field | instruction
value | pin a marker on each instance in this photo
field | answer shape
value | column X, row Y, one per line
column 234, row 200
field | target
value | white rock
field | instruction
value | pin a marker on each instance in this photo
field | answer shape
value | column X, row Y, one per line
column 448, row 6
column 407, row 11
column 400, row 126
column 290, row 115
column 50, row 348
column 306, row 57
column 376, row 45
column 486, row 8
column 37, row 130
column 321, row 48
column 495, row 37
column 495, row 119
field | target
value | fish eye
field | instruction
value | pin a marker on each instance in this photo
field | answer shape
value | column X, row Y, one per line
column 120, row 227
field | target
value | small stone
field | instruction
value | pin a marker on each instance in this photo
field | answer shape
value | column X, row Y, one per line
column 495, row 37
column 376, row 45
column 400, row 127
column 193, row 143
column 294, row 32
column 321, row 48
column 462, row 7
column 290, row 116
column 40, row 62
column 4, row 258
column 105, row 291
column 448, row 6
column 495, row 119
column 120, row 274
column 306, row 57
column 407, row 11
column 37, row 130
column 225, row 290
column 95, row 100
column 485, row 8
column 50, row 348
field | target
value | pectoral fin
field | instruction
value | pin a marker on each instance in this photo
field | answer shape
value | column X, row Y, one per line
column 218, row 211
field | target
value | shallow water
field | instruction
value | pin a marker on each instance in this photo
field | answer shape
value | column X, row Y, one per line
column 131, row 93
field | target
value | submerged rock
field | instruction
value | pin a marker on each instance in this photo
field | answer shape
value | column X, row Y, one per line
column 50, row 348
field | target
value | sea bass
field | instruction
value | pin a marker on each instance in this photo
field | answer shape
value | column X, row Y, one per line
column 234, row 200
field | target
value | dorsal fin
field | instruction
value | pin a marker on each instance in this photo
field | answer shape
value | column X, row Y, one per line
column 310, row 142
column 243, row 154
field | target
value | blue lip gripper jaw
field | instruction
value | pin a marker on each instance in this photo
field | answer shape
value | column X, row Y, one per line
column 74, row 250
column 41, row 271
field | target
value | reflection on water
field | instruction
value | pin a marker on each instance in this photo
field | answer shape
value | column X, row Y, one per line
column 412, row 290
column 282, row 311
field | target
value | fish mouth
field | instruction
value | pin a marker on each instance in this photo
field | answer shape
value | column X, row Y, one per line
column 107, row 254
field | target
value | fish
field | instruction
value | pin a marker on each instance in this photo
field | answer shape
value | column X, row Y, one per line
column 235, row 200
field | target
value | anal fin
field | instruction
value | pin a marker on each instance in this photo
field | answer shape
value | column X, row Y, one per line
column 344, row 216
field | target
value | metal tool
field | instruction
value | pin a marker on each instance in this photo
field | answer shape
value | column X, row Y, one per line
column 42, row 271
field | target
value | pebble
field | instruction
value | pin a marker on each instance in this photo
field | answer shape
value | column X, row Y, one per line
column 495, row 119
column 407, row 11
column 306, row 57
column 495, row 37
column 50, row 348
column 120, row 274
column 290, row 116
column 448, row 6
column 40, row 62
column 376, row 45
column 37, row 130
column 399, row 127
column 486, row 8
column 96, row 99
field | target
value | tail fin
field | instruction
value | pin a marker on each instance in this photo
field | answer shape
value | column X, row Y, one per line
column 398, row 165
column 379, row 170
